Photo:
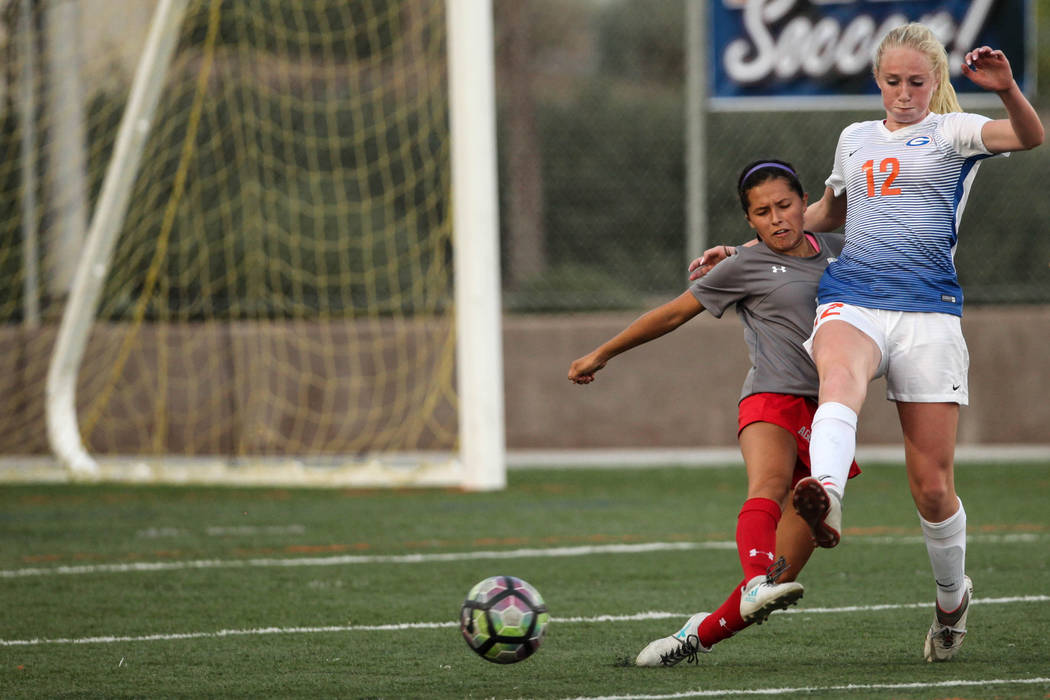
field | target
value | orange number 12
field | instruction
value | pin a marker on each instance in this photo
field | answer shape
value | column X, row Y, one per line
column 889, row 164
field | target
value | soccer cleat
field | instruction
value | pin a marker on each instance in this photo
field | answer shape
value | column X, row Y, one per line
column 683, row 645
column 762, row 594
column 948, row 630
column 821, row 509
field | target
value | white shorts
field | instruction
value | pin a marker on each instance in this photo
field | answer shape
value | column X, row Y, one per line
column 924, row 355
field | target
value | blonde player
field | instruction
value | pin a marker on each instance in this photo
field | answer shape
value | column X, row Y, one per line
column 891, row 304
column 773, row 286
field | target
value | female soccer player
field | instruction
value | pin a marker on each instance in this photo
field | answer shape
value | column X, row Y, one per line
column 891, row 304
column 773, row 286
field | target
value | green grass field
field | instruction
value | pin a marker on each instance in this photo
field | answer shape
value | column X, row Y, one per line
column 123, row 591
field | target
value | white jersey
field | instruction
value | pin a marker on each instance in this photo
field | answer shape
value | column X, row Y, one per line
column 905, row 193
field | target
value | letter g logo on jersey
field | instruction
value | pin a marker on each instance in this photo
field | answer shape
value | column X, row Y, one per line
column 917, row 141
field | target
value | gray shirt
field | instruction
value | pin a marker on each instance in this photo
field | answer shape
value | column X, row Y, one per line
column 776, row 298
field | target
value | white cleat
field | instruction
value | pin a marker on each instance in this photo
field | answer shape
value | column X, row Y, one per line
column 948, row 630
column 821, row 509
column 683, row 645
column 763, row 595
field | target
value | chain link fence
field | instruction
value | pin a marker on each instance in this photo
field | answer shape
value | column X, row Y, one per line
column 592, row 153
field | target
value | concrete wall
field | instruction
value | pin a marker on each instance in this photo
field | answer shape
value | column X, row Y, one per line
column 243, row 388
column 681, row 390
column 678, row 391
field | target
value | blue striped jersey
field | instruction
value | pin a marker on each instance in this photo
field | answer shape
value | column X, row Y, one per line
column 905, row 194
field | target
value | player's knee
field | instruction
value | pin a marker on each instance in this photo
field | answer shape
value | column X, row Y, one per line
column 933, row 495
column 843, row 384
column 772, row 487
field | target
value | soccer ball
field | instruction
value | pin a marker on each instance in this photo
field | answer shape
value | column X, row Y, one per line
column 503, row 619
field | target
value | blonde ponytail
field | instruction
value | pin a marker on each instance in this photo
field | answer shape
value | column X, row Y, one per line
column 919, row 37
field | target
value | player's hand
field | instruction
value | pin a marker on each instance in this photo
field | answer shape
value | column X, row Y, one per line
column 706, row 262
column 582, row 371
column 988, row 68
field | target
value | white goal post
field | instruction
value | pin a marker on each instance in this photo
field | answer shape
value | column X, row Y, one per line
column 476, row 242
column 478, row 461
column 60, row 409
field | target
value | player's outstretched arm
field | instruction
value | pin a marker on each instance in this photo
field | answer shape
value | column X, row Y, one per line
column 1023, row 130
column 826, row 215
column 649, row 326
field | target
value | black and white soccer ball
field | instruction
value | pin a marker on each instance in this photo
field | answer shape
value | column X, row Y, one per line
column 504, row 619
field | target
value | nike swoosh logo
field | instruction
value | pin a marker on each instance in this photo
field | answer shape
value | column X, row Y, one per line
column 955, row 387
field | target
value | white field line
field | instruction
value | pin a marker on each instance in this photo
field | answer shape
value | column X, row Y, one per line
column 398, row 627
column 851, row 687
column 420, row 558
column 347, row 559
column 223, row 531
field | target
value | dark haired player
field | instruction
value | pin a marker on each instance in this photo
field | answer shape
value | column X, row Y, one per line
column 773, row 285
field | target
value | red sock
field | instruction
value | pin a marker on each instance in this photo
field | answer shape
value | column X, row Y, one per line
column 756, row 535
column 756, row 540
column 724, row 622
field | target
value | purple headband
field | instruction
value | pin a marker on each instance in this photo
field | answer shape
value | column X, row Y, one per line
column 767, row 165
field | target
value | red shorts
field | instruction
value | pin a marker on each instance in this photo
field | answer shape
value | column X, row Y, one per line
column 792, row 413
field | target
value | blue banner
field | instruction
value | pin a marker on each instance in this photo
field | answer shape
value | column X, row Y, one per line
column 762, row 51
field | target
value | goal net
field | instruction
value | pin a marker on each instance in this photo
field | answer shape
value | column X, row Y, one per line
column 276, row 299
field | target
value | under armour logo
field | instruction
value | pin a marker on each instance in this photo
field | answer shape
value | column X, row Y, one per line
column 722, row 622
column 755, row 553
column 779, row 268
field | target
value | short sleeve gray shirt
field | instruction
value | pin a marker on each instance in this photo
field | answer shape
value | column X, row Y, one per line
column 776, row 298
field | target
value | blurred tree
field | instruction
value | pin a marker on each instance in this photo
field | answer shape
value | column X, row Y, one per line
column 525, row 247
column 643, row 41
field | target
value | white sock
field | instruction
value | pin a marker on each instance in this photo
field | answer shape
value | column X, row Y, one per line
column 946, row 544
column 833, row 445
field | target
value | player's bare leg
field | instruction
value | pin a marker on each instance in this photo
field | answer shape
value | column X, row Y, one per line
column 769, row 454
column 929, row 454
column 794, row 543
column 846, row 360
column 929, row 450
